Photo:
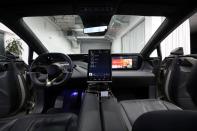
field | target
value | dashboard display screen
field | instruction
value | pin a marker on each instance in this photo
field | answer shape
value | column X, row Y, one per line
column 124, row 62
column 99, row 66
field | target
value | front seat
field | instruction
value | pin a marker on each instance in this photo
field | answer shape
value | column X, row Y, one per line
column 132, row 109
column 13, row 89
column 178, row 75
column 13, row 103
column 191, row 85
column 43, row 122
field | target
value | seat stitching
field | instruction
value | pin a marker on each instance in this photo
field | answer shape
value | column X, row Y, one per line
column 164, row 105
column 127, row 115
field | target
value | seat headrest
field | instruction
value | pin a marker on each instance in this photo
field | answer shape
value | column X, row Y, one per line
column 167, row 121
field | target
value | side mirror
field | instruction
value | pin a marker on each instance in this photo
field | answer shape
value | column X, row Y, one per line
column 177, row 51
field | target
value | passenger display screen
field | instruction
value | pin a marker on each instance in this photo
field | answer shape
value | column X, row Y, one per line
column 124, row 62
column 99, row 66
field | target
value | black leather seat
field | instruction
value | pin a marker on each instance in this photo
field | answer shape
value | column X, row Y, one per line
column 13, row 90
column 46, row 122
column 14, row 94
column 177, row 75
column 90, row 119
column 191, row 85
column 132, row 109
column 167, row 121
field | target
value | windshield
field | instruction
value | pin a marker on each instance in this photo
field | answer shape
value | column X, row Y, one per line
column 65, row 33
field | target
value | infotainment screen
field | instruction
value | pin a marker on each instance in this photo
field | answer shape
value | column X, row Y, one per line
column 124, row 62
column 99, row 66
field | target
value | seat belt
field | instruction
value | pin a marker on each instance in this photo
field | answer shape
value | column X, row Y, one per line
column 21, row 85
column 172, row 79
column 161, row 78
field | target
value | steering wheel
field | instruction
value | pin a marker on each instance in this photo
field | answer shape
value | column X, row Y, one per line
column 51, row 69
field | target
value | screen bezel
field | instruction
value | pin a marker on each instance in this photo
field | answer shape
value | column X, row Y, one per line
column 99, row 81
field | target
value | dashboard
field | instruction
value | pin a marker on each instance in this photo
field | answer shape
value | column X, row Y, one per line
column 130, row 76
column 119, row 61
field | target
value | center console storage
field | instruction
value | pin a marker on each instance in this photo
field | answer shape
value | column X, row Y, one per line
column 112, row 118
column 101, row 111
column 90, row 119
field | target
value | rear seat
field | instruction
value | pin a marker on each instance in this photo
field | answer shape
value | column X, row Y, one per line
column 121, row 116
column 132, row 109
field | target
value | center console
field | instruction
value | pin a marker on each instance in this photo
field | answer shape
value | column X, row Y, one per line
column 100, row 108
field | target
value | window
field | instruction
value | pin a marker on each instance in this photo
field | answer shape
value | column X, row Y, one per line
column 10, row 42
column 35, row 55
column 64, row 33
column 134, row 40
column 154, row 53
column 142, row 30
column 180, row 37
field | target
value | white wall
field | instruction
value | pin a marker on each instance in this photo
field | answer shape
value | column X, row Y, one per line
column 94, row 44
column 50, row 35
column 151, row 25
column 134, row 40
column 116, row 43
column 178, row 38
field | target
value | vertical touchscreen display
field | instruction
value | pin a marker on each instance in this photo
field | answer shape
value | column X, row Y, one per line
column 99, row 66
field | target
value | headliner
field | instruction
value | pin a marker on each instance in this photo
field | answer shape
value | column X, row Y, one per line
column 132, row 7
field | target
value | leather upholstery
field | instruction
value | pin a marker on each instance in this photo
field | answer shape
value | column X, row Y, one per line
column 132, row 109
column 90, row 119
column 167, row 121
column 13, row 89
column 191, row 84
column 178, row 75
column 111, row 115
column 44, row 122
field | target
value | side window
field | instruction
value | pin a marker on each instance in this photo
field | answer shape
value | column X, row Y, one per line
column 180, row 37
column 10, row 42
column 154, row 53
column 35, row 55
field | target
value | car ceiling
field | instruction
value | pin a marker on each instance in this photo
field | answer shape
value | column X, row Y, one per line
column 90, row 7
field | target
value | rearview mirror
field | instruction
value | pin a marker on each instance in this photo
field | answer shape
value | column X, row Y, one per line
column 95, row 29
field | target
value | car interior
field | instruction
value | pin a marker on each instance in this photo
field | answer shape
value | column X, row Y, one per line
column 89, row 66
